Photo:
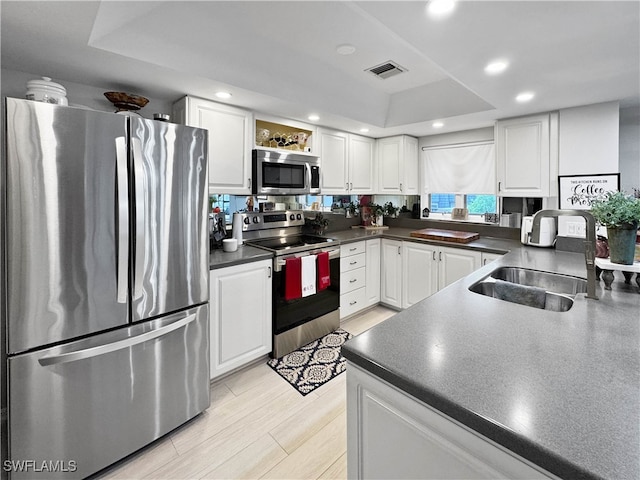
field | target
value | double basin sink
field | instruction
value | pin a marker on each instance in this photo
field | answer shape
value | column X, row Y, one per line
column 534, row 288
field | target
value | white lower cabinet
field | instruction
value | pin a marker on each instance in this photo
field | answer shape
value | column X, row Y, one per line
column 359, row 276
column 393, row 435
column 489, row 257
column 240, row 321
column 412, row 271
column 419, row 272
column 391, row 275
column 372, row 286
column 455, row 263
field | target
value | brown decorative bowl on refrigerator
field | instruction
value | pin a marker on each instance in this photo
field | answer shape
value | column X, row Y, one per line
column 126, row 101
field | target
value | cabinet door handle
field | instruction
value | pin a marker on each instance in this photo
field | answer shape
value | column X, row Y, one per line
column 269, row 273
column 398, row 250
column 347, row 186
column 499, row 186
column 440, row 257
column 434, row 255
column 401, row 187
column 351, row 186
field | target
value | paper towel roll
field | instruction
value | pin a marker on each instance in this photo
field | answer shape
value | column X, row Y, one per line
column 237, row 227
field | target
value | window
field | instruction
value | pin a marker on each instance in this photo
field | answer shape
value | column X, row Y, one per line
column 442, row 202
column 477, row 204
column 481, row 204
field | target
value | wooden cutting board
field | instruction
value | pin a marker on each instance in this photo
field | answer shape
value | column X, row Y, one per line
column 445, row 235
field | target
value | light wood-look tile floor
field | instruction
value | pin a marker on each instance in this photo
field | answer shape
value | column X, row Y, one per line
column 257, row 426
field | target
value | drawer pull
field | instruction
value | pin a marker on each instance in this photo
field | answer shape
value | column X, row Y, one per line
column 353, row 280
column 353, row 263
column 353, row 303
column 353, row 249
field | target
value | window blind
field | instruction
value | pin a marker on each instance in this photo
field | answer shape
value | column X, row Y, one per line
column 460, row 169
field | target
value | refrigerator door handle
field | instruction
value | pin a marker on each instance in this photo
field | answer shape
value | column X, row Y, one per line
column 123, row 220
column 140, row 239
column 113, row 346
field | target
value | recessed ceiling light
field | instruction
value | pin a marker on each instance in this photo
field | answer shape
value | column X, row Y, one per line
column 313, row 118
column 364, row 130
column 440, row 7
column 345, row 49
column 437, row 124
column 496, row 67
column 223, row 95
column 524, row 97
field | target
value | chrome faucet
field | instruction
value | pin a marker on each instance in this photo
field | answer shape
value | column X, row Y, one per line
column 589, row 243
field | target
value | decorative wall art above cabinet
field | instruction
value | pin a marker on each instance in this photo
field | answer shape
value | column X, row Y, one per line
column 280, row 136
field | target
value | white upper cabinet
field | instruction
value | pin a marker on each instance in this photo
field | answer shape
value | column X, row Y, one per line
column 527, row 156
column 398, row 165
column 347, row 162
column 230, row 138
column 361, row 165
column 333, row 150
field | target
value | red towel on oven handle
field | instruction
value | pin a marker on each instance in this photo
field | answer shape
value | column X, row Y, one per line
column 324, row 275
column 293, row 278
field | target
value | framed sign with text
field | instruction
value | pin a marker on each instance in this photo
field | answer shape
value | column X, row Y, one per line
column 578, row 191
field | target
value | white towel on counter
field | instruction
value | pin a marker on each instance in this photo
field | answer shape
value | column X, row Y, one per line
column 308, row 275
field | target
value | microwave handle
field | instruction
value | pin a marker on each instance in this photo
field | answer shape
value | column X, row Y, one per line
column 308, row 182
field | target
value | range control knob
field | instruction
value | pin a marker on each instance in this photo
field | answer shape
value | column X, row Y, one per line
column 256, row 220
column 292, row 217
column 247, row 220
column 299, row 216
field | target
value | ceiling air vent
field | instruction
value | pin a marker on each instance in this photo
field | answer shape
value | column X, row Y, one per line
column 386, row 70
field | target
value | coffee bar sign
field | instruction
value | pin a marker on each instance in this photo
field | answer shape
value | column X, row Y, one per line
column 579, row 191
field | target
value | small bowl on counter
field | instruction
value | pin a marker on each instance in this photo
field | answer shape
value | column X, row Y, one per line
column 229, row 245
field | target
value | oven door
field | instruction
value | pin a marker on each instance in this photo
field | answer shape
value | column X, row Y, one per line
column 288, row 314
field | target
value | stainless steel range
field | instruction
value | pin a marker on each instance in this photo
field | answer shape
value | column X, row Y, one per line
column 296, row 321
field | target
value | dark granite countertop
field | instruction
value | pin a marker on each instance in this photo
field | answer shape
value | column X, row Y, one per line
column 484, row 243
column 560, row 389
column 244, row 254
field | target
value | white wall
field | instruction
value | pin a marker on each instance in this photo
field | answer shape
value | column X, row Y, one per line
column 630, row 148
column 588, row 144
column 14, row 84
column 589, row 139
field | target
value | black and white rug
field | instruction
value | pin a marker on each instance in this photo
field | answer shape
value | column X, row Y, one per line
column 315, row 364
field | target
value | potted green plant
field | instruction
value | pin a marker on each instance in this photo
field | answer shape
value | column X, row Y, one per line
column 390, row 210
column 351, row 209
column 318, row 224
column 377, row 214
column 620, row 213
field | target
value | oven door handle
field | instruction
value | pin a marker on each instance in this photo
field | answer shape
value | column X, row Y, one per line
column 280, row 262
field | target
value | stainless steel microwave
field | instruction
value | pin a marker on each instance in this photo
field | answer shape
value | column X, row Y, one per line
column 285, row 173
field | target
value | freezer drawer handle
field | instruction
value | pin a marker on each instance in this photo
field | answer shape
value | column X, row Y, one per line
column 117, row 345
column 123, row 220
column 140, row 220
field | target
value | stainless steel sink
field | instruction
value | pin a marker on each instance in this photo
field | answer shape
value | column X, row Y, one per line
column 557, row 290
column 551, row 282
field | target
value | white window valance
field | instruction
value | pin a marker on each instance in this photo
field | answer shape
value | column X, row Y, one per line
column 461, row 169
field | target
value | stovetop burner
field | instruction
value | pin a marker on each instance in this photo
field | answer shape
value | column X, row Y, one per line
column 291, row 243
column 280, row 232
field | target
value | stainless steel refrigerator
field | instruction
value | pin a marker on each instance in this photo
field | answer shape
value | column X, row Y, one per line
column 105, row 285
